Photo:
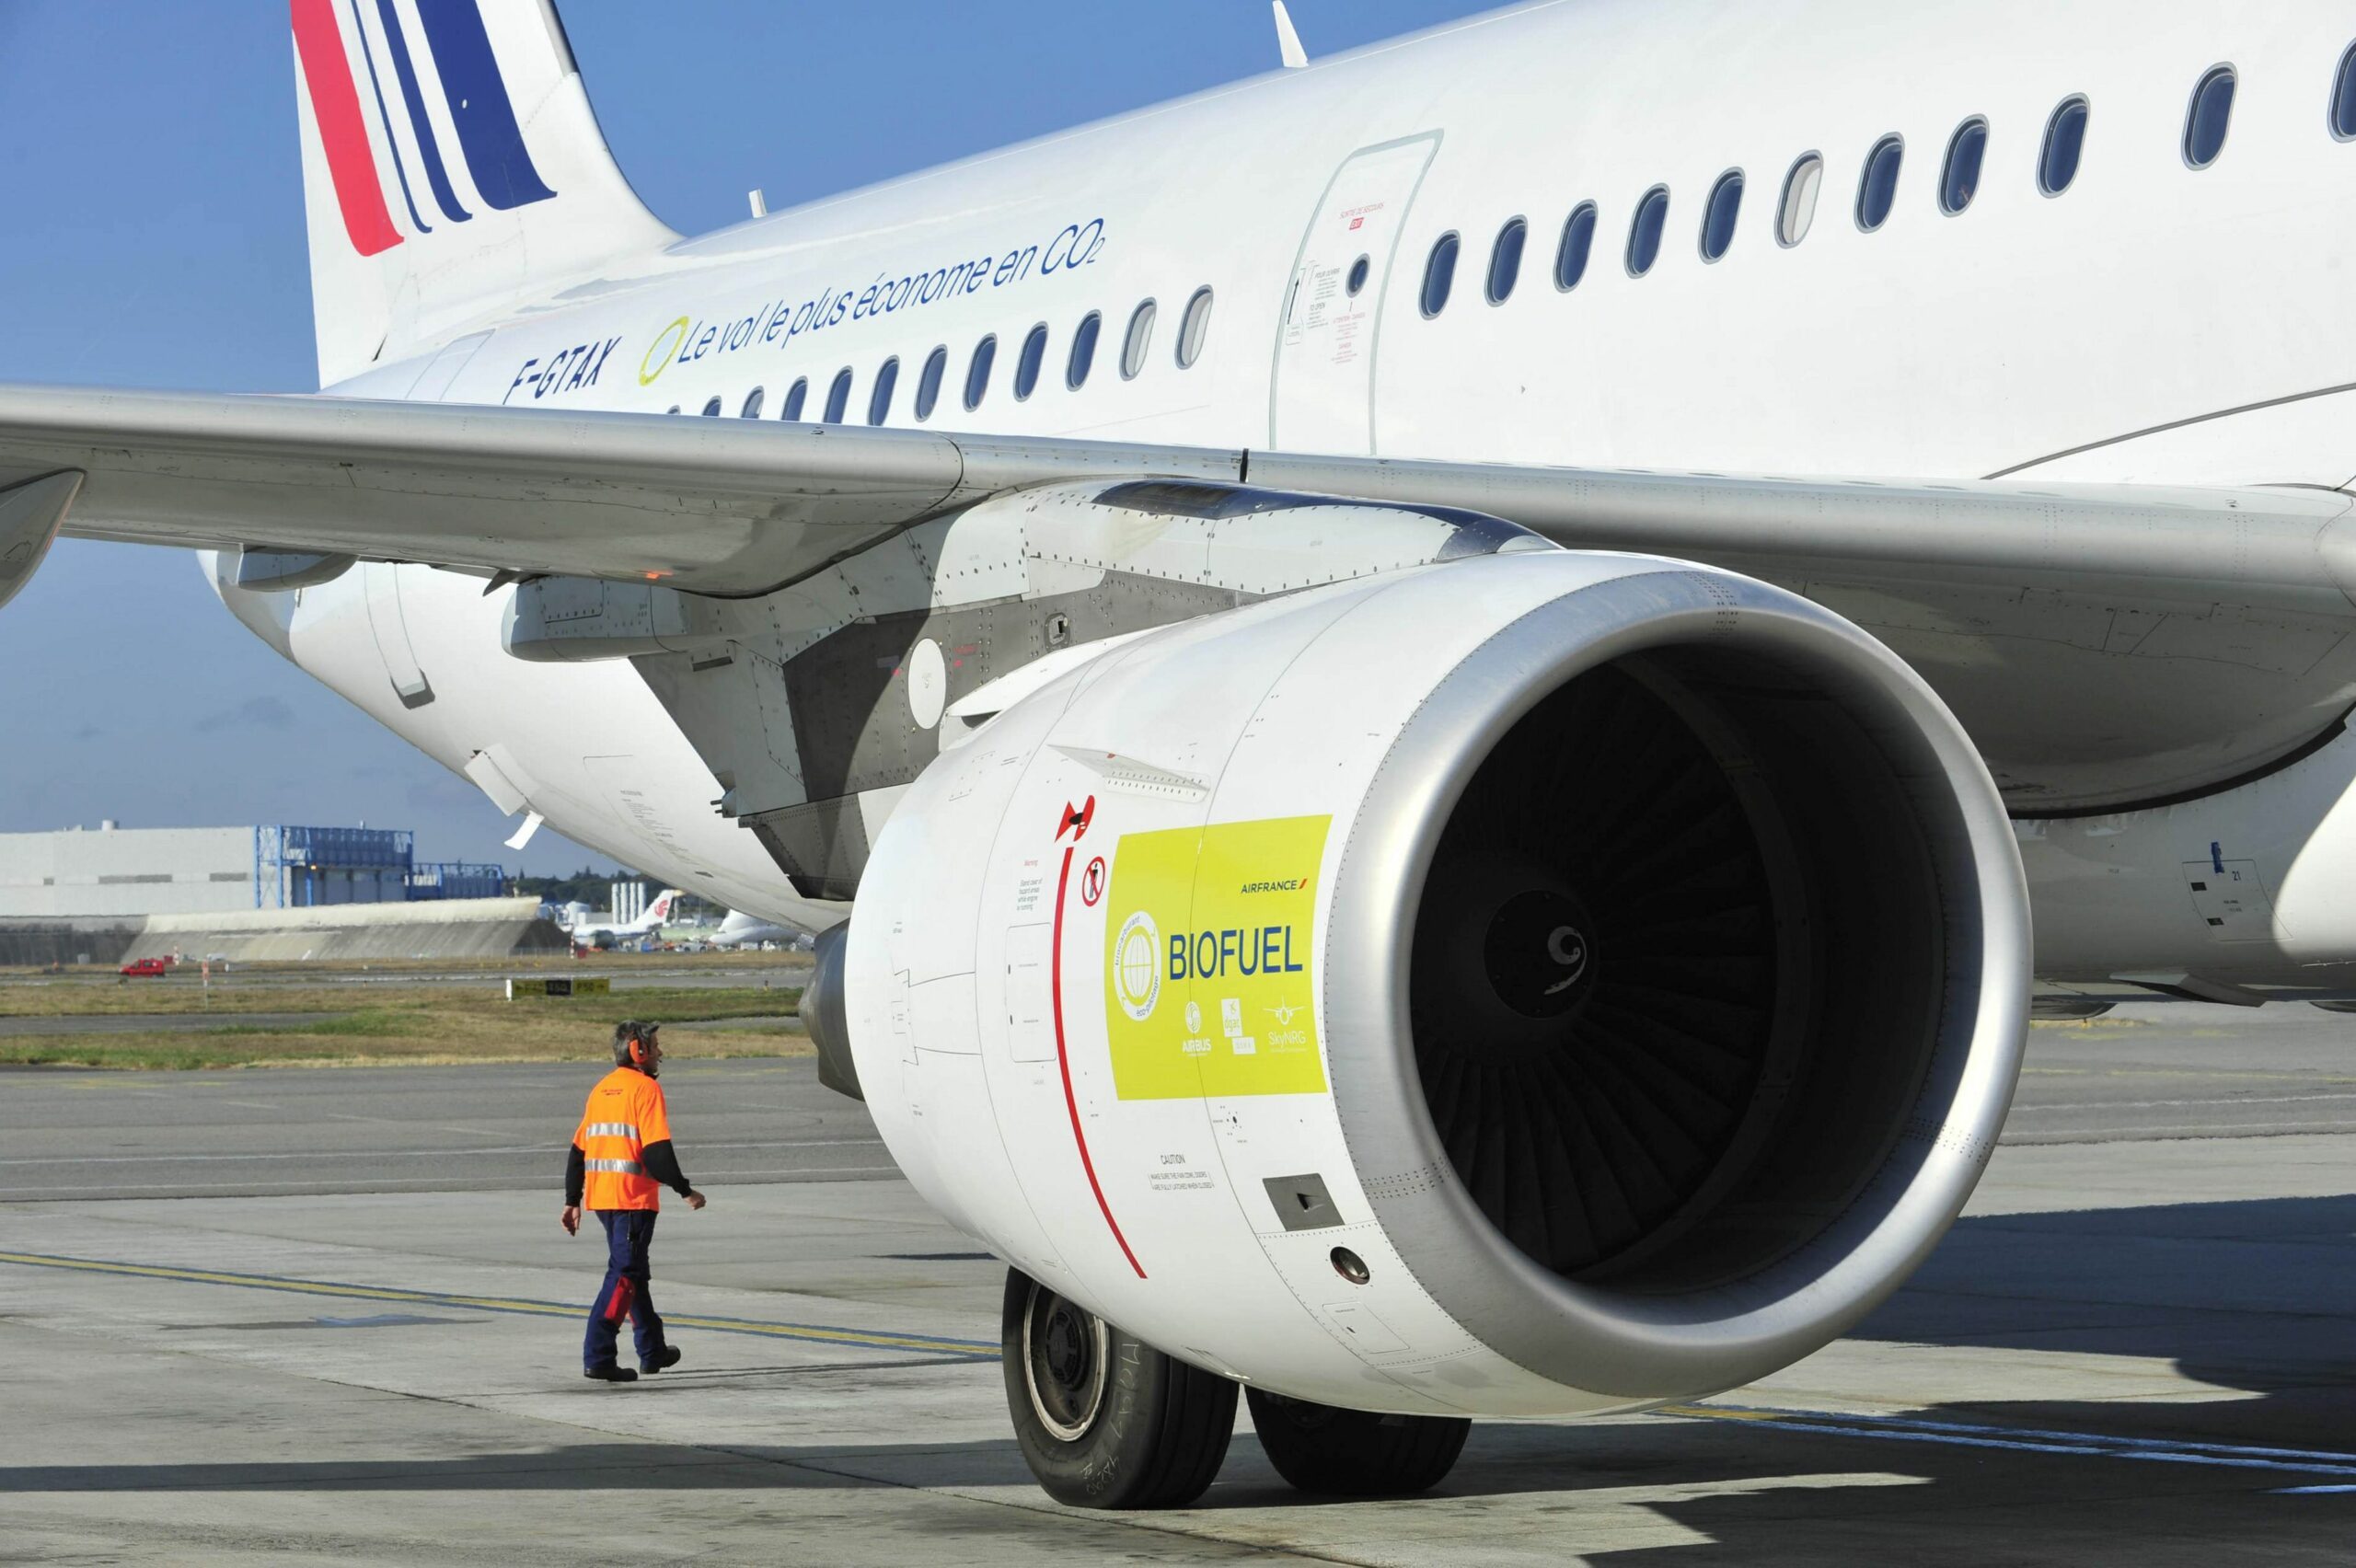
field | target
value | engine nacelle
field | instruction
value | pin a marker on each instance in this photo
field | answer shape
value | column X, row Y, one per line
column 1532, row 985
column 30, row 515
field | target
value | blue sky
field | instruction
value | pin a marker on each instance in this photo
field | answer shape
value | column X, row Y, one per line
column 157, row 239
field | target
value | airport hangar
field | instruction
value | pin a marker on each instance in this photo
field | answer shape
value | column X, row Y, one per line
column 252, row 892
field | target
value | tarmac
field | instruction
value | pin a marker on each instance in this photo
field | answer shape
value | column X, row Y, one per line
column 327, row 1316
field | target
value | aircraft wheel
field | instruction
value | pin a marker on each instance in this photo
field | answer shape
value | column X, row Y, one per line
column 1103, row 1419
column 1356, row 1453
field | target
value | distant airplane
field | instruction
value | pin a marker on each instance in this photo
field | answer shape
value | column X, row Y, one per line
column 743, row 929
column 657, row 916
column 1446, row 679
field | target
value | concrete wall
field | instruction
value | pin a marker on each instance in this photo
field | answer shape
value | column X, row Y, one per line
column 126, row 872
column 452, row 928
column 67, row 941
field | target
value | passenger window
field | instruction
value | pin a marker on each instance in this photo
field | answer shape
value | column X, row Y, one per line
column 1960, row 181
column 839, row 397
column 2211, row 115
column 751, row 409
column 1578, row 243
column 671, row 410
column 1440, row 274
column 1645, row 233
column 2343, row 97
column 795, row 397
column 1026, row 366
column 711, row 409
column 1083, row 351
column 1719, row 217
column 1797, row 211
column 2065, row 139
column 1359, row 269
column 1505, row 260
column 1877, row 192
column 977, row 374
column 1138, row 342
column 936, row 365
column 879, row 400
column 1193, row 328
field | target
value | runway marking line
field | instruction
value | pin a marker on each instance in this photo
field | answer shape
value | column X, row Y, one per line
column 1884, row 1428
column 2187, row 1073
column 522, row 1306
column 2032, row 1440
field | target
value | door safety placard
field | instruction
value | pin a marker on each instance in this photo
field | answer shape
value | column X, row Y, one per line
column 1208, row 934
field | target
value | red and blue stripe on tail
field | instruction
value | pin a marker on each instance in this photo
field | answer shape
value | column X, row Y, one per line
column 459, row 53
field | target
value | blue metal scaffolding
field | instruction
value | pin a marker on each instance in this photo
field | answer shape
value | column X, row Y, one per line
column 301, row 868
column 457, row 879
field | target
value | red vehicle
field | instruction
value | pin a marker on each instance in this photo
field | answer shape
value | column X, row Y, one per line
column 148, row 966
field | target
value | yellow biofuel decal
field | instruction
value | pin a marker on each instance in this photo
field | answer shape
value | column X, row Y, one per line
column 1207, row 937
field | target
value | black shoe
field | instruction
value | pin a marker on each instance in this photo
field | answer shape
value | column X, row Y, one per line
column 610, row 1373
column 667, row 1356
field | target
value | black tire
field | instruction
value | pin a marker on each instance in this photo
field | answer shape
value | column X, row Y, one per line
column 1103, row 1419
column 1356, row 1453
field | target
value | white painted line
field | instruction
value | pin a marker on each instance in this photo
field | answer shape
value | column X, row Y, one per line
column 537, row 1151
column 2033, row 1440
column 2190, row 1131
column 2220, row 1103
column 435, row 1184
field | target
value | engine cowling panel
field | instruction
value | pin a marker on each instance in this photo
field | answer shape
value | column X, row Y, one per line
column 1530, row 984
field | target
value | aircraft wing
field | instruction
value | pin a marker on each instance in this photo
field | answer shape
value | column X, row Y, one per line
column 716, row 506
column 2105, row 645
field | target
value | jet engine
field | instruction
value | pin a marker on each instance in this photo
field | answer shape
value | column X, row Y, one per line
column 1538, row 984
column 30, row 515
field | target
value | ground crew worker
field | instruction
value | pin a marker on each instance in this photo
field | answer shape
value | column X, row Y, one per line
column 621, row 1159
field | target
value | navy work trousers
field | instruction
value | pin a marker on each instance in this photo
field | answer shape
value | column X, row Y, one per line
column 628, row 1234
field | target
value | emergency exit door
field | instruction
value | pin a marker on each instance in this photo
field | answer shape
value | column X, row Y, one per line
column 1322, row 398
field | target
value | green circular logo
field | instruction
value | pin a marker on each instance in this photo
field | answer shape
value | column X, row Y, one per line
column 668, row 343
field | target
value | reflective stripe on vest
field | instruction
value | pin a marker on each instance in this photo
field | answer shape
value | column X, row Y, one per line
column 612, row 1130
column 618, row 1167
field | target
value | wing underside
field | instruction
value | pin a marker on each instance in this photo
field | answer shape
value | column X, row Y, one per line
column 2106, row 645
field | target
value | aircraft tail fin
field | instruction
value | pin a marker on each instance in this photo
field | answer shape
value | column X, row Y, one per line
column 451, row 166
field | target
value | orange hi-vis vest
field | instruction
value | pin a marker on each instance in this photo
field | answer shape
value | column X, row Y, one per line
column 626, row 1113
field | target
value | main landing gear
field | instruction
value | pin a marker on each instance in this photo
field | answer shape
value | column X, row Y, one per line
column 1106, row 1421
column 1356, row 1453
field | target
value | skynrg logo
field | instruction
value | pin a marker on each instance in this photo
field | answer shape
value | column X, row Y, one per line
column 340, row 55
column 1136, row 966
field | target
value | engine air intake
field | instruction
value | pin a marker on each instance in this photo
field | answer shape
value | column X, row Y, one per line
column 1676, row 970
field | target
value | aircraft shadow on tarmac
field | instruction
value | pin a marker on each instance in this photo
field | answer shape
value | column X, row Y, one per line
column 2252, row 1299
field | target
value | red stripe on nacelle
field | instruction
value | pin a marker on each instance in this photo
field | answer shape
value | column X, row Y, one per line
column 335, row 104
column 1063, row 1056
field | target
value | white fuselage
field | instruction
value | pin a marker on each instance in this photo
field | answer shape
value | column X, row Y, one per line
column 2152, row 323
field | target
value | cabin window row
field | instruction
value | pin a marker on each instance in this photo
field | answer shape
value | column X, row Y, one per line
column 1029, row 363
column 2208, row 119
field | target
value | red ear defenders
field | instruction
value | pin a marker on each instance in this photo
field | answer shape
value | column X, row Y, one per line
column 637, row 1052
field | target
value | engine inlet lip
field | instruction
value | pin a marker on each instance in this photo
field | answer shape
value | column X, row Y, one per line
column 1591, row 1337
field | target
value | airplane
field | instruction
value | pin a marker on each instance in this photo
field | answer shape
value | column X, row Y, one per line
column 1444, row 709
column 743, row 928
column 657, row 916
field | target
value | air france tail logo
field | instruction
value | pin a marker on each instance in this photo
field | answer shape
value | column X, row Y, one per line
column 368, row 79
